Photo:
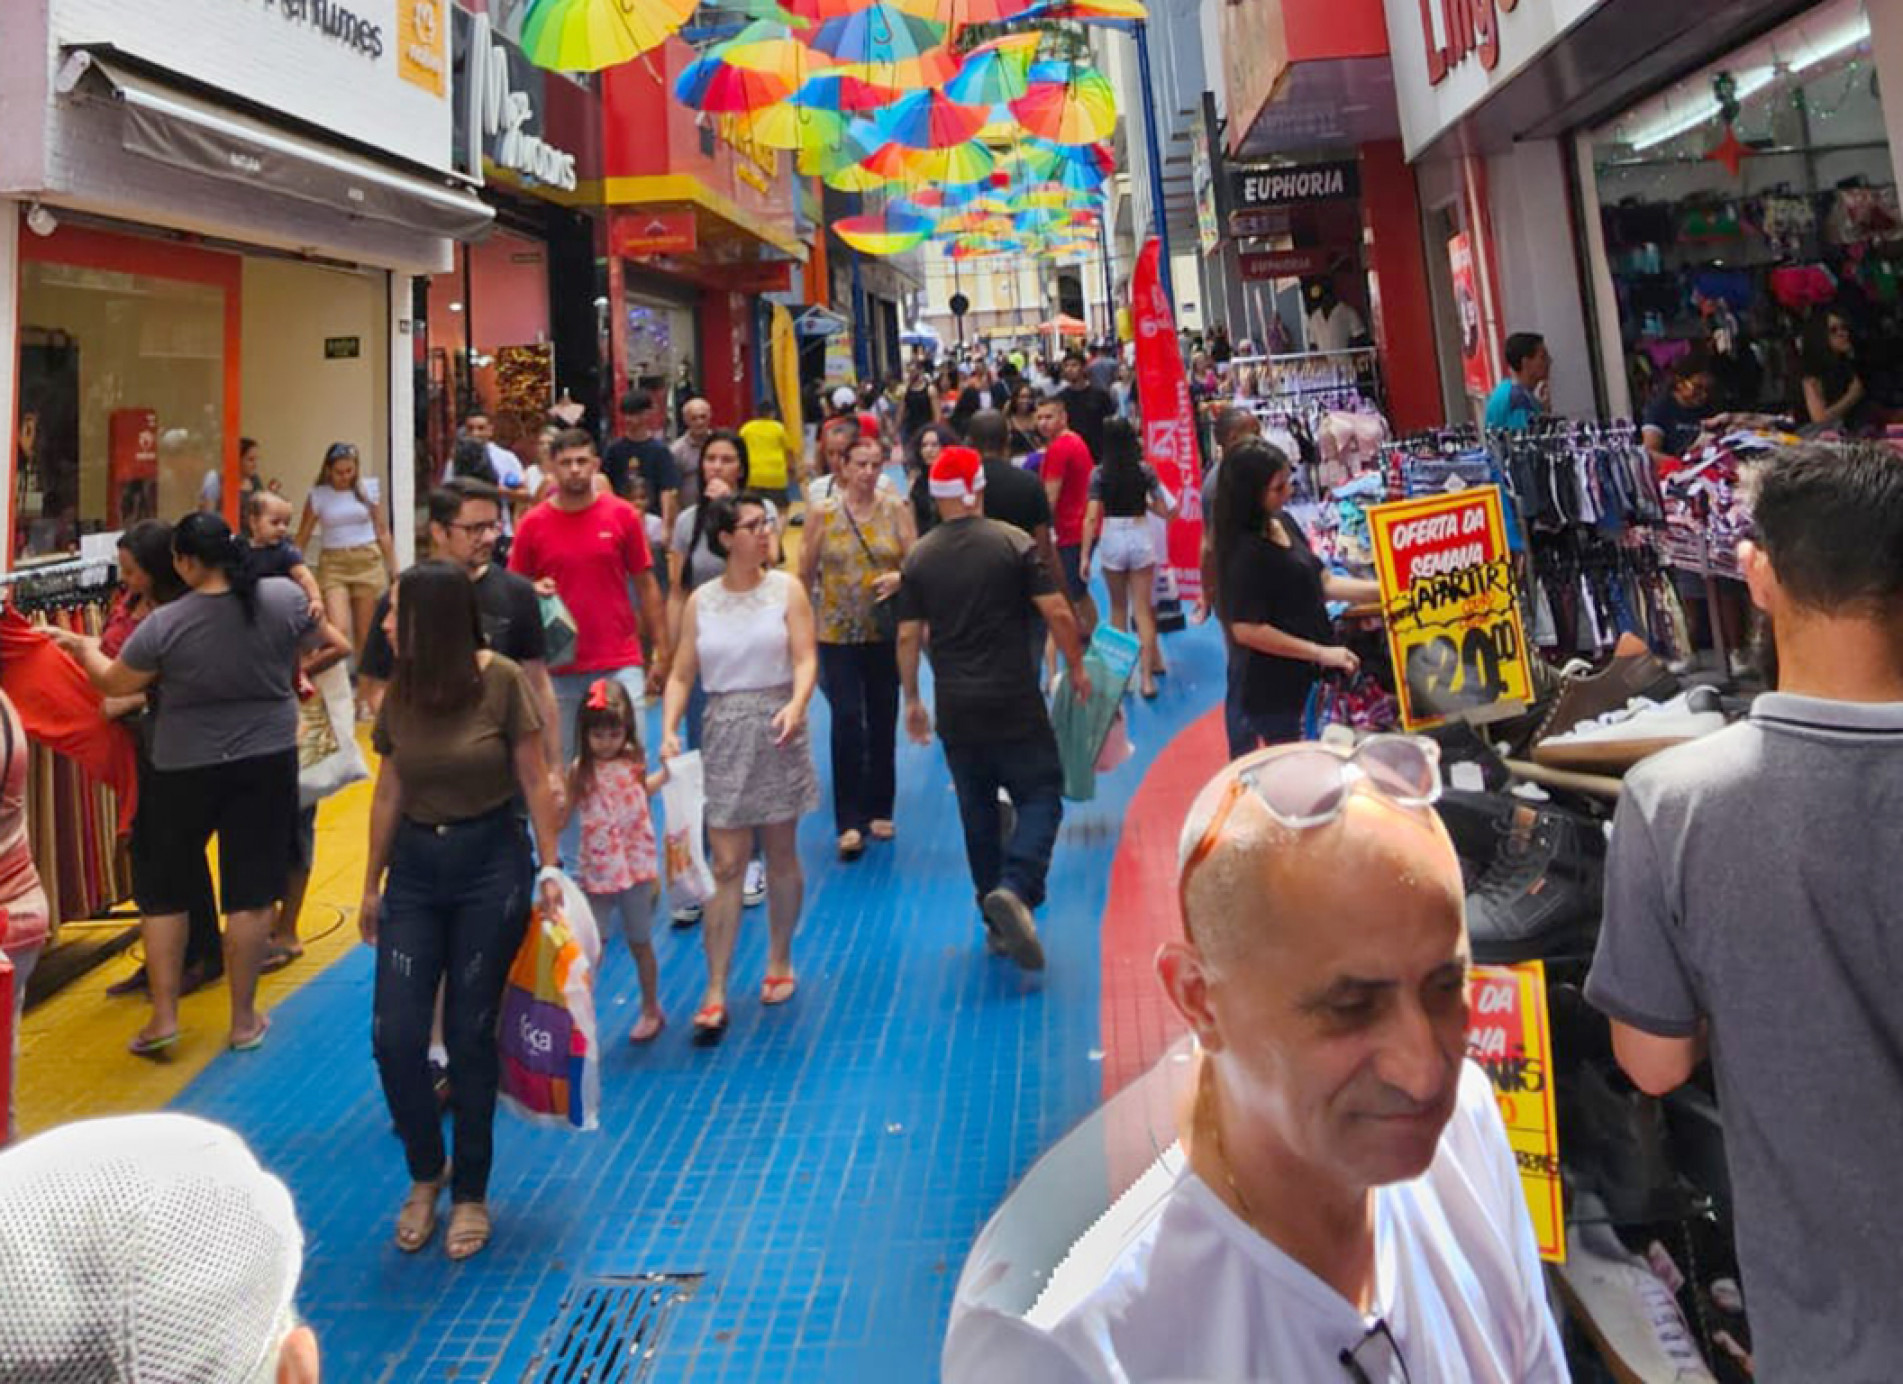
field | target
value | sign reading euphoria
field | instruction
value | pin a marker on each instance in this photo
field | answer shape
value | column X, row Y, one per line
column 1452, row 607
column 1509, row 1038
column 333, row 20
column 1301, row 186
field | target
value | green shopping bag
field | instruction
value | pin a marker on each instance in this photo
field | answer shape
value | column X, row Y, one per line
column 1082, row 727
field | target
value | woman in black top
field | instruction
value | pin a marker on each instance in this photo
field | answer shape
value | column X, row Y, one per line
column 1833, row 388
column 1021, row 418
column 920, row 453
column 1271, row 595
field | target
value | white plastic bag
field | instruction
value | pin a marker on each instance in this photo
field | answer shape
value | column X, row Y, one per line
column 344, row 765
column 690, row 881
column 548, row 1040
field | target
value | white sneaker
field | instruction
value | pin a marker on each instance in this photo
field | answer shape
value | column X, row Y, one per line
column 1634, row 1316
column 754, row 890
column 1619, row 739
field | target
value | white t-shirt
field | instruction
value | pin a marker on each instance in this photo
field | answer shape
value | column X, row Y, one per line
column 1194, row 1294
column 1335, row 331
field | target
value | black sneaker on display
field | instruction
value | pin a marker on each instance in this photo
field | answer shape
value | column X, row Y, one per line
column 1541, row 896
column 1618, row 1150
column 1478, row 823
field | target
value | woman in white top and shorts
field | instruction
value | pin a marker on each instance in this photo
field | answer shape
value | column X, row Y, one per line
column 358, row 560
column 1124, row 492
column 749, row 638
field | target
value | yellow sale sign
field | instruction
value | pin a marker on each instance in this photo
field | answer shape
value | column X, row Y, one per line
column 1509, row 1037
column 1452, row 608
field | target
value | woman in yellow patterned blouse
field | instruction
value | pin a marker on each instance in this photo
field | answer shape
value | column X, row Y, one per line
column 855, row 543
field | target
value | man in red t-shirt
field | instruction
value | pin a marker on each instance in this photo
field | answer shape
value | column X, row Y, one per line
column 585, row 546
column 1066, row 474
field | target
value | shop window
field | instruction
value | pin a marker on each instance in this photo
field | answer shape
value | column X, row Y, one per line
column 122, row 400
column 1746, row 205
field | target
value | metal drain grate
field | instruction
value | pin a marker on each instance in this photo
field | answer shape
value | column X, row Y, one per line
column 609, row 1328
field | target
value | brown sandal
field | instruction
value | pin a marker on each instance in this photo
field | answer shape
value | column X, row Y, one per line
column 416, row 1222
column 469, row 1228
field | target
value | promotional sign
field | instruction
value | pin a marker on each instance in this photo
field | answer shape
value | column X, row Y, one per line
column 1169, row 422
column 1301, row 186
column 1476, row 361
column 656, row 233
column 1285, row 264
column 1202, row 174
column 1253, row 225
column 1452, row 608
column 1509, row 1037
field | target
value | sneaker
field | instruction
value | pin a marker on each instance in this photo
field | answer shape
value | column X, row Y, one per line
column 686, row 916
column 1625, row 1307
column 1477, row 823
column 1619, row 739
column 754, row 890
column 1633, row 672
column 1541, row 896
column 1009, row 919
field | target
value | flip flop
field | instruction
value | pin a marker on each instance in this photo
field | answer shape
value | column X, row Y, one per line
column 141, row 1046
column 256, row 1040
column 851, row 845
column 278, row 958
column 778, row 989
column 647, row 1029
column 883, row 830
column 710, row 1022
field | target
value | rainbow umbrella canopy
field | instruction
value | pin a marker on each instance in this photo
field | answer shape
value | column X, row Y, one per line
column 1089, row 11
column 588, row 35
column 717, row 86
column 840, row 91
column 929, row 119
column 877, row 36
column 995, row 73
column 883, row 233
column 1067, row 103
column 790, row 124
column 764, row 46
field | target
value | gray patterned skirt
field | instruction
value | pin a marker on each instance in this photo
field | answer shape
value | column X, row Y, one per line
column 750, row 781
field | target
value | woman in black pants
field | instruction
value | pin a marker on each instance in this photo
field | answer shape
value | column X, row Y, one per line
column 460, row 738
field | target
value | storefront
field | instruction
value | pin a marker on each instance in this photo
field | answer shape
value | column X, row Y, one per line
column 214, row 239
column 1637, row 182
column 513, row 327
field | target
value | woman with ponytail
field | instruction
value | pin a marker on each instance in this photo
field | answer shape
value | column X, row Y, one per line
column 224, row 658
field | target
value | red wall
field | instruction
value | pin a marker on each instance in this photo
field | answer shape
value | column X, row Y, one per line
column 1405, row 334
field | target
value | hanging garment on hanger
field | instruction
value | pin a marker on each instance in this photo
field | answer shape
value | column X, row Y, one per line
column 61, row 710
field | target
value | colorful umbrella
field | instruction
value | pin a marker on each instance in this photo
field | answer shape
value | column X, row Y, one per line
column 959, row 14
column 767, row 47
column 1077, row 110
column 928, row 119
column 837, row 91
column 878, row 36
column 1100, row 158
column 587, row 35
column 883, row 233
column 995, row 73
column 790, row 125
column 711, row 84
column 958, row 165
column 1087, row 11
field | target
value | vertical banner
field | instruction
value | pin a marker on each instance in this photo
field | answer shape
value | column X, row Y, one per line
column 1169, row 423
column 1476, row 364
column 1452, row 608
column 1509, row 1039
column 785, row 349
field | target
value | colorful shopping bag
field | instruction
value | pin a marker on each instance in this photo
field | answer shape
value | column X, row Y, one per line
column 551, row 1048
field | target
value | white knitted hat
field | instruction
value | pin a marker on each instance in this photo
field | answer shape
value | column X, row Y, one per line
column 140, row 1250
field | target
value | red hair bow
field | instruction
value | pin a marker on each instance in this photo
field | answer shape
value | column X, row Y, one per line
column 598, row 695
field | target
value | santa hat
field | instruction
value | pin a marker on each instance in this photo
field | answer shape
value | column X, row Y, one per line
column 958, row 474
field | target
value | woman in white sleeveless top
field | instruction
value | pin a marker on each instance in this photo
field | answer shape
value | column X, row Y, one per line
column 358, row 562
column 749, row 638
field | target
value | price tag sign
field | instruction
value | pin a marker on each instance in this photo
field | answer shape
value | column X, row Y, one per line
column 1452, row 608
column 1508, row 1036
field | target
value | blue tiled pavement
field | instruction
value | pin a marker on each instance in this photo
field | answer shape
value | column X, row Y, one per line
column 825, row 1168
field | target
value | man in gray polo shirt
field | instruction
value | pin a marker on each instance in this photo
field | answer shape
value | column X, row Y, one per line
column 1754, row 901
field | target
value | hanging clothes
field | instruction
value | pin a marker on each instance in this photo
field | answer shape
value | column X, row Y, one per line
column 60, row 709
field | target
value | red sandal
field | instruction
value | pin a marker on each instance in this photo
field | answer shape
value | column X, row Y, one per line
column 710, row 1021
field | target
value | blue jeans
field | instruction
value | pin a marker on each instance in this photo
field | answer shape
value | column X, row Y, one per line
column 1030, row 772
column 455, row 908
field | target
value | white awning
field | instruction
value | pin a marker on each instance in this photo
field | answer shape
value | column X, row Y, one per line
column 187, row 132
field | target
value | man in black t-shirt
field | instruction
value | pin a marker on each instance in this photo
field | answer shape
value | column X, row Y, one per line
column 1016, row 497
column 464, row 521
column 638, row 449
column 978, row 584
column 1088, row 406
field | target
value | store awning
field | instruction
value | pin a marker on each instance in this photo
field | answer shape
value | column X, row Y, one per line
column 199, row 136
column 818, row 321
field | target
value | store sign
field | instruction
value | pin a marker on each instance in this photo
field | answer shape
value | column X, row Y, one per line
column 1286, row 264
column 368, row 71
column 1259, row 225
column 1452, row 606
column 1169, row 419
column 1450, row 55
column 1302, row 186
column 637, row 234
column 496, row 82
column 1202, row 174
column 1509, row 1038
column 1476, row 361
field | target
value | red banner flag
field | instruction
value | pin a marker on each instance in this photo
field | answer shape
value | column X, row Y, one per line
column 1169, row 422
